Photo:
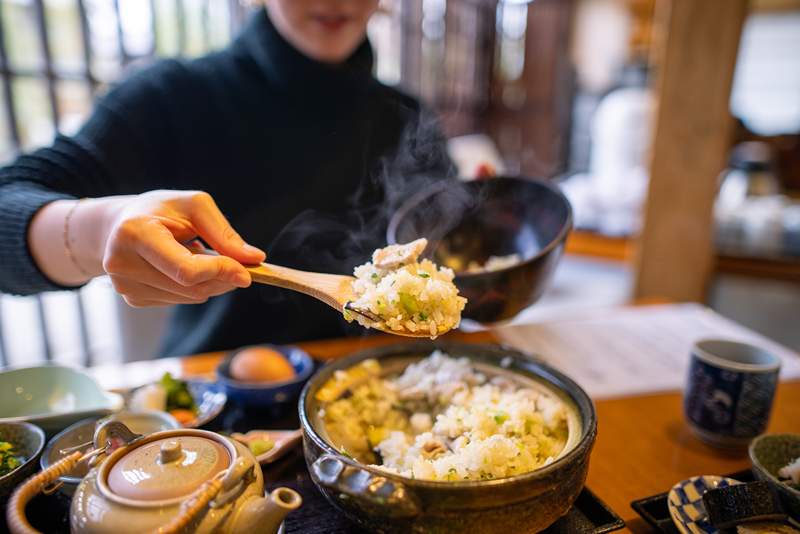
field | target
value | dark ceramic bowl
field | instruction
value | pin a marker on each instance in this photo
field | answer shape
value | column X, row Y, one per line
column 28, row 442
column 769, row 453
column 264, row 394
column 471, row 221
column 384, row 502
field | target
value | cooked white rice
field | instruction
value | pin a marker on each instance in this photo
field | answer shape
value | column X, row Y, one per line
column 494, row 263
column 791, row 471
column 442, row 420
column 407, row 295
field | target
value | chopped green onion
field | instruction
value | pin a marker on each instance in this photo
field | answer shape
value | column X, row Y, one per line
column 424, row 274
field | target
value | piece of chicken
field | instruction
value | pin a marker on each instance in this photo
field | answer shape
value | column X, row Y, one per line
column 394, row 256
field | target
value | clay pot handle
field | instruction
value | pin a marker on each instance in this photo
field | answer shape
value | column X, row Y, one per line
column 195, row 506
column 15, row 513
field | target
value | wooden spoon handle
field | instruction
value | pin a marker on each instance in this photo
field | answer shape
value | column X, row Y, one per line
column 332, row 289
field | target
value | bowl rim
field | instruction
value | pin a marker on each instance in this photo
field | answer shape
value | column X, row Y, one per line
column 113, row 402
column 758, row 466
column 437, row 187
column 286, row 350
column 36, row 431
column 586, row 440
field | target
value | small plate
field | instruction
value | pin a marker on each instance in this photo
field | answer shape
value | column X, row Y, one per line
column 686, row 503
column 210, row 400
column 208, row 396
column 284, row 441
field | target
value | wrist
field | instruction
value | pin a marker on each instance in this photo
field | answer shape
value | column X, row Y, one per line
column 89, row 228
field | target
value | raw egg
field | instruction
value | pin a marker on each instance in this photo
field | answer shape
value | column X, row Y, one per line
column 260, row 364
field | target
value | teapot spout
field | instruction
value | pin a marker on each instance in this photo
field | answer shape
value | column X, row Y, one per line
column 265, row 514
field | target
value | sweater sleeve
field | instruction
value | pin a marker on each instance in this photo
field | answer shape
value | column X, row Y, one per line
column 126, row 147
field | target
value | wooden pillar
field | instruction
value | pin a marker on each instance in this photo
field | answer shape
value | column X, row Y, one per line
column 694, row 57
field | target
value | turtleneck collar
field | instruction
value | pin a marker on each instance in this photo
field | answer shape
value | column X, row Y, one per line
column 287, row 68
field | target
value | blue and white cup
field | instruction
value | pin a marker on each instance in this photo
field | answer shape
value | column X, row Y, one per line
column 728, row 397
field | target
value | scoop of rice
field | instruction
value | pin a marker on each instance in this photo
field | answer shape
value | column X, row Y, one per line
column 411, row 295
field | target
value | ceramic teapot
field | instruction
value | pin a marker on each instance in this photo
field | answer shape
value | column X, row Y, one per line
column 183, row 480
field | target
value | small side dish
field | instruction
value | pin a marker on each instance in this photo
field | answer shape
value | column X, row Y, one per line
column 169, row 395
column 405, row 293
column 260, row 364
column 10, row 459
column 269, row 445
column 441, row 419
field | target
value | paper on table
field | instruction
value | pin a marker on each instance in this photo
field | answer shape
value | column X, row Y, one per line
column 627, row 351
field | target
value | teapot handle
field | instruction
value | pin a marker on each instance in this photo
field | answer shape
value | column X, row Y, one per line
column 195, row 505
column 15, row 513
column 343, row 477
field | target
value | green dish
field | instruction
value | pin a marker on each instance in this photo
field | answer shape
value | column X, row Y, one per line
column 28, row 442
column 769, row 453
column 53, row 397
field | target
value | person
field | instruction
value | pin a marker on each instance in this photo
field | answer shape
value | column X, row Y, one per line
column 282, row 142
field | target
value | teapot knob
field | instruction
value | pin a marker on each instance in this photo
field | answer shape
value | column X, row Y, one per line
column 170, row 451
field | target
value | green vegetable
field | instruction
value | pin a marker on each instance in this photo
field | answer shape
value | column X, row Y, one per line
column 178, row 395
column 423, row 274
column 375, row 276
column 260, row 446
column 500, row 418
column 409, row 303
column 8, row 460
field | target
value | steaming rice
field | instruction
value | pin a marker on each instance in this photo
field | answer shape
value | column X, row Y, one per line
column 442, row 420
column 407, row 294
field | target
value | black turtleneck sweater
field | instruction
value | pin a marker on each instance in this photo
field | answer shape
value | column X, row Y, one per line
column 305, row 159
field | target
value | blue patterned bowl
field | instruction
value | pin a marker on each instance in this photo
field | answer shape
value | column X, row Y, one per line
column 686, row 503
column 28, row 442
column 263, row 394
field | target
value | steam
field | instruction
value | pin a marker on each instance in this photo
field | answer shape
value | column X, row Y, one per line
column 338, row 242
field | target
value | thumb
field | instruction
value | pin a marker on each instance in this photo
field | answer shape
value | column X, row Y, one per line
column 215, row 230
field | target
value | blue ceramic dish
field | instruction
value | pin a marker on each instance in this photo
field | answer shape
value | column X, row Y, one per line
column 263, row 394
column 685, row 502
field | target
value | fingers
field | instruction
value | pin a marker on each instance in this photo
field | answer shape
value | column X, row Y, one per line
column 138, row 294
column 215, row 229
column 140, row 279
column 157, row 246
column 150, row 267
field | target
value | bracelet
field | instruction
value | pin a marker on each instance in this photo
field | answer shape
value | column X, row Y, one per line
column 68, row 246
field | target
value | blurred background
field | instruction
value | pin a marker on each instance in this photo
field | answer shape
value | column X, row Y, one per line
column 589, row 93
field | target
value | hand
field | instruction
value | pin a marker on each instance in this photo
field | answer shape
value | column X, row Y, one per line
column 144, row 252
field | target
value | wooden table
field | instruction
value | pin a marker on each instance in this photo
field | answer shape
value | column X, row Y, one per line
column 643, row 446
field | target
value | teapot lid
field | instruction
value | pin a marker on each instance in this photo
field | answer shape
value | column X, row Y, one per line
column 167, row 468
